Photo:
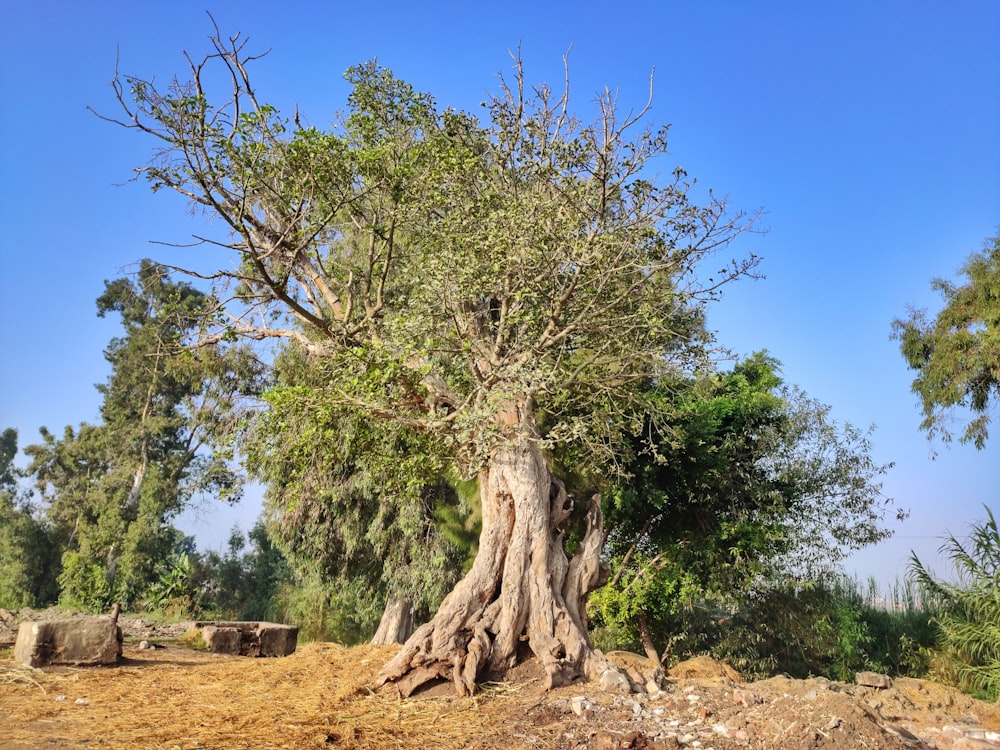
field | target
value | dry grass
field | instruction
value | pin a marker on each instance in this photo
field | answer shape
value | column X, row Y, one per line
column 184, row 699
column 178, row 698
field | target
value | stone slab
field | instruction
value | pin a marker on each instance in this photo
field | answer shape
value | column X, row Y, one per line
column 249, row 638
column 220, row 640
column 80, row 641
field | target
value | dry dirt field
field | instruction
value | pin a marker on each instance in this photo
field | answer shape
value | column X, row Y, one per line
column 176, row 698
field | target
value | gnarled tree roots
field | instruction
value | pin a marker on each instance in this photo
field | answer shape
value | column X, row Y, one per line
column 521, row 588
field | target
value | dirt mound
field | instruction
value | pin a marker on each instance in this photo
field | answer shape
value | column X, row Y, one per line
column 705, row 667
column 175, row 697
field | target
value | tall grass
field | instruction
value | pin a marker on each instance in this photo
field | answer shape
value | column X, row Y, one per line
column 969, row 620
column 901, row 627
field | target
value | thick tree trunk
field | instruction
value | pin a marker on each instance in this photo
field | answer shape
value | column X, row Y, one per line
column 521, row 588
column 396, row 624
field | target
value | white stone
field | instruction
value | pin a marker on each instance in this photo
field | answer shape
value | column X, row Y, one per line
column 613, row 681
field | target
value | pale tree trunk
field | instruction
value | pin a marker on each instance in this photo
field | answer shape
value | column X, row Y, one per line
column 521, row 588
column 396, row 624
column 647, row 640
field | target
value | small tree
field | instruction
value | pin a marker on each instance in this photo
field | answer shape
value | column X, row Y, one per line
column 752, row 482
column 957, row 354
column 461, row 279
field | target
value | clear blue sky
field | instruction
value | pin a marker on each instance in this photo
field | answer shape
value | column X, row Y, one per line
column 868, row 131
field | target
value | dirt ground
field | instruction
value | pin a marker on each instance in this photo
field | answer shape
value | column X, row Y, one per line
column 177, row 698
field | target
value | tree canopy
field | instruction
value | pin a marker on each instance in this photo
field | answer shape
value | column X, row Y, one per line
column 445, row 268
column 957, row 353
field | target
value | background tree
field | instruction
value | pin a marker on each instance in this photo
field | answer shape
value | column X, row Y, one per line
column 957, row 354
column 112, row 488
column 752, row 484
column 27, row 565
column 247, row 581
column 461, row 279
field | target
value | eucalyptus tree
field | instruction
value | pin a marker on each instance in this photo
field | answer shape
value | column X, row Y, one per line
column 503, row 286
column 956, row 354
column 111, row 488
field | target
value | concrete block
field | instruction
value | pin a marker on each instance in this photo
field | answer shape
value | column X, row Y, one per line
column 222, row 640
column 80, row 641
column 248, row 638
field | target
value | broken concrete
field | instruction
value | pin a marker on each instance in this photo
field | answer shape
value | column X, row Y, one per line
column 248, row 638
column 81, row 641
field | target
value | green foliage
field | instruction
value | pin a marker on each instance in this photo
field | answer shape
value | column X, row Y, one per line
column 173, row 593
column 957, row 354
column 111, row 489
column 342, row 611
column 351, row 499
column 27, row 564
column 802, row 629
column 969, row 621
column 748, row 481
column 245, row 584
column 900, row 623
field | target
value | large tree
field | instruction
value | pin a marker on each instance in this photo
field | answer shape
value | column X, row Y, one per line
column 504, row 286
column 957, row 353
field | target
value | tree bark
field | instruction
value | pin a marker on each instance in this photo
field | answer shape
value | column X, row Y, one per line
column 521, row 588
column 647, row 640
column 396, row 624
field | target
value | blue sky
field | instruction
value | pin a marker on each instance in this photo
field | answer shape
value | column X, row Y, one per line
column 868, row 131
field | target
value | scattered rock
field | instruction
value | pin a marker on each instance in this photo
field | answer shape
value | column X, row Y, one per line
column 873, row 680
column 645, row 675
column 613, row 681
column 579, row 705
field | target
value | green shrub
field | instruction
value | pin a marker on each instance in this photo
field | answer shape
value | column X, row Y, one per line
column 800, row 628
